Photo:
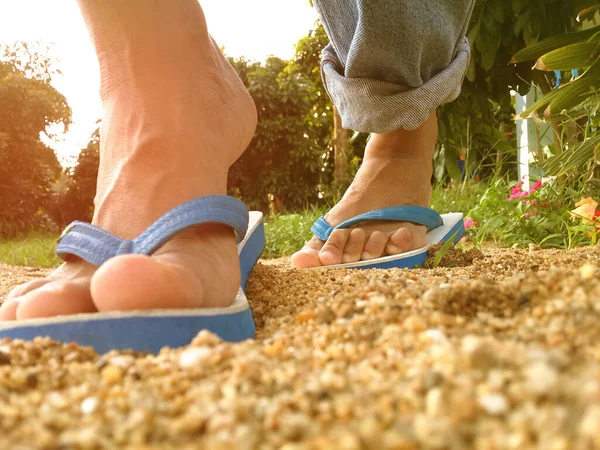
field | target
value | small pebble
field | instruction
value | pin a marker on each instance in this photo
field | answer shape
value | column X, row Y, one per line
column 4, row 358
column 194, row 356
column 499, row 354
column 89, row 405
column 494, row 404
column 112, row 374
column 588, row 271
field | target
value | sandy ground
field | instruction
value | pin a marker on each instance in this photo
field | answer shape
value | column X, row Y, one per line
column 502, row 353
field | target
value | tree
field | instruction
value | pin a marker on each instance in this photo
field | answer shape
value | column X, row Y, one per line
column 476, row 120
column 288, row 164
column 283, row 165
column 27, row 166
column 76, row 200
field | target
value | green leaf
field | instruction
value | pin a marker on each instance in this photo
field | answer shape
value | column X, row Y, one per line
column 474, row 32
column 540, row 104
column 443, row 250
column 544, row 46
column 573, row 160
column 517, row 6
column 567, row 96
column 574, row 56
column 588, row 13
column 452, row 166
column 471, row 72
column 531, row 33
column 497, row 10
column 520, row 23
column 577, row 91
column 487, row 59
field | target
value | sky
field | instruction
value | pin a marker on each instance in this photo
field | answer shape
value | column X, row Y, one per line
column 251, row 28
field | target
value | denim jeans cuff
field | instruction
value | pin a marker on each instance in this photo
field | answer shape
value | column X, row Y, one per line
column 375, row 106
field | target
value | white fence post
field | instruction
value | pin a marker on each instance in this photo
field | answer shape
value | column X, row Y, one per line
column 530, row 136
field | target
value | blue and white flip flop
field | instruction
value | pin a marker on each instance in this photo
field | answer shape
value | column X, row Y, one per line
column 149, row 331
column 440, row 228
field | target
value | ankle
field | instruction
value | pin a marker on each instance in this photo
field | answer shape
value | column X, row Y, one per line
column 405, row 145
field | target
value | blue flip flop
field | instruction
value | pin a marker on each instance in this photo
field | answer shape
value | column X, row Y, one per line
column 149, row 331
column 439, row 228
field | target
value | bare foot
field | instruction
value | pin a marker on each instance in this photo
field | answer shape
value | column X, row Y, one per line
column 176, row 116
column 396, row 170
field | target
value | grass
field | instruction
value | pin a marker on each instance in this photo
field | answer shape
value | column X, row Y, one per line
column 33, row 251
column 541, row 218
column 288, row 233
column 457, row 199
column 502, row 222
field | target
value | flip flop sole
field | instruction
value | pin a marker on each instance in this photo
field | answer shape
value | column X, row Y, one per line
column 149, row 331
column 252, row 245
column 453, row 226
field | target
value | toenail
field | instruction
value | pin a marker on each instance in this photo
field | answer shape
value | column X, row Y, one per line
column 366, row 255
column 327, row 255
column 346, row 258
column 309, row 251
column 391, row 248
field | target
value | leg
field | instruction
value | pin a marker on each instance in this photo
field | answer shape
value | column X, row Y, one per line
column 389, row 65
column 176, row 116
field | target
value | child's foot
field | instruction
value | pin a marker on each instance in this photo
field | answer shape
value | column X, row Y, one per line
column 170, row 131
column 396, row 171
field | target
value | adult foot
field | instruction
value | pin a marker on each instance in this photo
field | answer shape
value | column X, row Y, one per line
column 176, row 116
column 396, row 170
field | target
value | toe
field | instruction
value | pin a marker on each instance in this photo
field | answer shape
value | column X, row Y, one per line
column 333, row 250
column 25, row 288
column 400, row 241
column 55, row 298
column 134, row 282
column 8, row 309
column 354, row 245
column 375, row 245
column 408, row 237
column 308, row 256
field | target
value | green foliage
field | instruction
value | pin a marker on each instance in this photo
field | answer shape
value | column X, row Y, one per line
column 576, row 99
column 541, row 218
column 33, row 251
column 470, row 127
column 443, row 250
column 76, row 202
column 500, row 221
column 287, row 233
column 286, row 165
column 461, row 198
column 27, row 166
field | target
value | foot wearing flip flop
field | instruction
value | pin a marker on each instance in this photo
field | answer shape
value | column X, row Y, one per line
column 396, row 170
column 176, row 116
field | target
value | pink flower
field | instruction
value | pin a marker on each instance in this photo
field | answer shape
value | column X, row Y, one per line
column 535, row 186
column 517, row 192
column 529, row 214
column 470, row 223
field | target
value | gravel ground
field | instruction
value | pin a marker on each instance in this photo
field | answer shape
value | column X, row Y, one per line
column 501, row 352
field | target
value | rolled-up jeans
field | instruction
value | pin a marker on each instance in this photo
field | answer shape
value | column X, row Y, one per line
column 391, row 63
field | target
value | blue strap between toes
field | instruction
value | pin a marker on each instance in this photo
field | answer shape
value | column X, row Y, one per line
column 96, row 246
column 415, row 214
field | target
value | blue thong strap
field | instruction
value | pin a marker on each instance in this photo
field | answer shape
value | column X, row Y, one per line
column 96, row 246
column 415, row 214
